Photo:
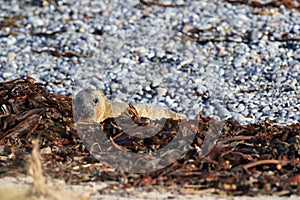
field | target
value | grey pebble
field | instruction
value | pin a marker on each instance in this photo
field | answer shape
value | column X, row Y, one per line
column 222, row 112
column 239, row 61
column 240, row 108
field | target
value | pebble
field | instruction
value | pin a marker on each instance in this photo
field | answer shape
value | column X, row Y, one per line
column 11, row 55
column 241, row 118
column 280, row 79
column 222, row 112
column 255, row 35
column 7, row 75
column 239, row 61
column 169, row 101
column 131, row 88
column 241, row 107
column 156, row 82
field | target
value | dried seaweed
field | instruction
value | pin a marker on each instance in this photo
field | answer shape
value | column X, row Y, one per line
column 203, row 37
column 158, row 3
column 254, row 159
column 57, row 53
column 11, row 21
column 290, row 4
column 42, row 3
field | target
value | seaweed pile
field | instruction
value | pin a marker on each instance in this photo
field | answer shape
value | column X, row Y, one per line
column 254, row 159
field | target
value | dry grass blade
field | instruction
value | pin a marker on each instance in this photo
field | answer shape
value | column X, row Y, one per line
column 40, row 187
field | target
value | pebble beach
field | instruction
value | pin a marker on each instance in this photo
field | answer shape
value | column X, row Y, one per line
column 222, row 59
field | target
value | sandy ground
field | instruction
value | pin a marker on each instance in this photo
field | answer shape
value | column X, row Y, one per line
column 20, row 188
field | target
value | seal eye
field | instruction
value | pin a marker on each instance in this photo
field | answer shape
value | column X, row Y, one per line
column 95, row 100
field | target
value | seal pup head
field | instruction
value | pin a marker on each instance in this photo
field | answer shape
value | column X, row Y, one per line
column 90, row 105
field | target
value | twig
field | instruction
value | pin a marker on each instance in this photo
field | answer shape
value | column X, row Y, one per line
column 118, row 146
column 263, row 162
column 237, row 138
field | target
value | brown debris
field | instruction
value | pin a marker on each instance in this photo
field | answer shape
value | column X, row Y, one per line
column 11, row 21
column 202, row 38
column 48, row 34
column 57, row 53
column 290, row 4
column 254, row 159
column 158, row 3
